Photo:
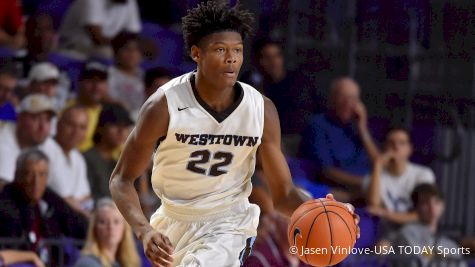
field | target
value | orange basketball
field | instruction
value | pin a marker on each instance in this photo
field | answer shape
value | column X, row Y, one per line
column 322, row 232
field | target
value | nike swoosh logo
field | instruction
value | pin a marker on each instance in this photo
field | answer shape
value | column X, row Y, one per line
column 180, row 109
column 296, row 233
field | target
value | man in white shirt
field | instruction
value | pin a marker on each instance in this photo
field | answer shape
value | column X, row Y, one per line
column 68, row 172
column 393, row 179
column 32, row 129
column 90, row 25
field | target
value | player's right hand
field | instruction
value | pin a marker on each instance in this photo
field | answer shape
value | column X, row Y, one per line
column 157, row 248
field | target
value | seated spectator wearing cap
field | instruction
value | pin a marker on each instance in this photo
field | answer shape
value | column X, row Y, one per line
column 111, row 132
column 44, row 79
column 92, row 93
column 392, row 180
column 8, row 83
column 429, row 206
column 154, row 78
column 31, row 212
column 68, row 171
column 12, row 30
column 89, row 26
column 110, row 241
column 32, row 129
column 126, row 77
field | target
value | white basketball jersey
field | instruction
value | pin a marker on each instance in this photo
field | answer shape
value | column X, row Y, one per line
column 207, row 159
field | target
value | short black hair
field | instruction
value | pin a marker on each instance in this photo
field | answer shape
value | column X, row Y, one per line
column 425, row 190
column 215, row 16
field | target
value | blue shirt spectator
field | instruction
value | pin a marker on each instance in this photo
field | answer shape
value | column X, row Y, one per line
column 332, row 144
column 339, row 142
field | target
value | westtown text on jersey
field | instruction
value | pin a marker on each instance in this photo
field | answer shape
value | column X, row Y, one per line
column 210, row 139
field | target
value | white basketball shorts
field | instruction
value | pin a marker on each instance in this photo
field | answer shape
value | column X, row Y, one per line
column 221, row 239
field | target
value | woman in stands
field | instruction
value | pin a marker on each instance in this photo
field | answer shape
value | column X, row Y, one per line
column 109, row 240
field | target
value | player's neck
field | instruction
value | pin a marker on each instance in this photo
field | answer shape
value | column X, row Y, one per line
column 219, row 99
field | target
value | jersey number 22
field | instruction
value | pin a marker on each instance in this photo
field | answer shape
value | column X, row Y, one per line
column 200, row 157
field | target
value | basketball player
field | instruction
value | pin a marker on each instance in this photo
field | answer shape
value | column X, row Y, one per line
column 210, row 128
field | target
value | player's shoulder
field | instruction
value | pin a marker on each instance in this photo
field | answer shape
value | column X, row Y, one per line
column 158, row 101
column 177, row 83
column 247, row 87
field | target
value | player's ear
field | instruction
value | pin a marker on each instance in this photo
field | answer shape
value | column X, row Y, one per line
column 195, row 53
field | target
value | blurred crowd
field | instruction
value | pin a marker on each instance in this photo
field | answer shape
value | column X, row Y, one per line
column 73, row 76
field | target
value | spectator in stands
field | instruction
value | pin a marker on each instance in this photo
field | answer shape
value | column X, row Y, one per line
column 40, row 41
column 154, row 78
column 31, row 212
column 111, row 132
column 12, row 30
column 393, row 179
column 43, row 79
column 92, row 93
column 8, row 83
column 8, row 257
column 429, row 204
column 339, row 141
column 90, row 25
column 126, row 77
column 109, row 239
column 68, row 172
column 291, row 93
column 32, row 129
column 40, row 36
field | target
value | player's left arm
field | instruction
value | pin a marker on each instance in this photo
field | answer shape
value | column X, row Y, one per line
column 285, row 196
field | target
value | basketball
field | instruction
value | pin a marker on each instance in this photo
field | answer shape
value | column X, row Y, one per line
column 322, row 232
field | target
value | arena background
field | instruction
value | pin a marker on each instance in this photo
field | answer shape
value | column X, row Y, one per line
column 413, row 59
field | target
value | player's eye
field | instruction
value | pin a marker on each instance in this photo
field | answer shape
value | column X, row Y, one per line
column 220, row 50
column 237, row 50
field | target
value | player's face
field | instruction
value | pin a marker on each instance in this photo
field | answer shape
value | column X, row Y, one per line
column 33, row 180
column 399, row 143
column 109, row 226
column 219, row 58
column 430, row 209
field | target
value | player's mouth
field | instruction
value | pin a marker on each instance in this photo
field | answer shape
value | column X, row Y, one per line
column 230, row 73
